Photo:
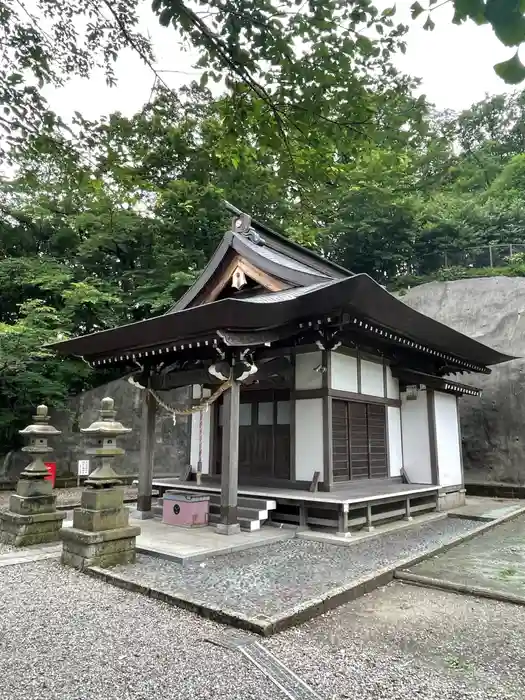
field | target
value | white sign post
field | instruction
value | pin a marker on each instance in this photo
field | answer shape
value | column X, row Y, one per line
column 82, row 469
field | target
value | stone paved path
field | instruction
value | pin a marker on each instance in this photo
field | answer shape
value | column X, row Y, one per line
column 495, row 560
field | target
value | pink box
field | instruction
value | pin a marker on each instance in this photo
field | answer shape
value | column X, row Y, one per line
column 185, row 509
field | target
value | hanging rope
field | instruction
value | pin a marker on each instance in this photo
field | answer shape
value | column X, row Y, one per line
column 204, row 405
column 188, row 411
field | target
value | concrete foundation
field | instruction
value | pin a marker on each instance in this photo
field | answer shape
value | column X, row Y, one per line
column 451, row 499
column 228, row 529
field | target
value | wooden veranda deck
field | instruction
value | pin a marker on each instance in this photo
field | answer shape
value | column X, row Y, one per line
column 361, row 492
column 361, row 504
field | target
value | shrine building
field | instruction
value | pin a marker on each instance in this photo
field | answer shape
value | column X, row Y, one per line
column 337, row 404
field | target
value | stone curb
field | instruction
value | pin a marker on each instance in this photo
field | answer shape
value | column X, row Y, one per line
column 267, row 626
column 463, row 588
column 206, row 610
column 28, row 555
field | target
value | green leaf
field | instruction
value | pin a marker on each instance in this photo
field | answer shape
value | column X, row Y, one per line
column 416, row 9
column 204, row 79
column 389, row 12
column 429, row 24
column 469, row 9
column 511, row 71
column 506, row 18
column 165, row 16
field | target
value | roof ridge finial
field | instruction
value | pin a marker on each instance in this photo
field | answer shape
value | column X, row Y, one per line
column 242, row 224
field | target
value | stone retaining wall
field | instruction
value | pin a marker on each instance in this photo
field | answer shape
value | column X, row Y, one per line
column 172, row 449
column 491, row 310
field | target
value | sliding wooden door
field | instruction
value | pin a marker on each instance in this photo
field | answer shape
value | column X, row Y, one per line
column 359, row 436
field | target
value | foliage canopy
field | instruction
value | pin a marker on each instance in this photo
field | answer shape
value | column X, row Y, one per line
column 316, row 134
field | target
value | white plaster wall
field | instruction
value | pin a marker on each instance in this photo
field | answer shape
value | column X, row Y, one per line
column 372, row 379
column 308, row 439
column 392, row 384
column 344, row 372
column 305, row 375
column 416, row 438
column 195, row 430
column 450, row 472
column 395, row 445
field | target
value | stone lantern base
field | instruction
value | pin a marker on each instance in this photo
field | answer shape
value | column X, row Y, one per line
column 101, row 535
column 32, row 517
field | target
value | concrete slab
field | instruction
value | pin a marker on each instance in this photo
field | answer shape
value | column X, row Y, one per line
column 494, row 562
column 27, row 555
column 185, row 545
column 487, row 509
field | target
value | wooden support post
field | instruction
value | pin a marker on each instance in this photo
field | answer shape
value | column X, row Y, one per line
column 408, row 517
column 228, row 524
column 147, row 449
column 342, row 520
column 369, row 525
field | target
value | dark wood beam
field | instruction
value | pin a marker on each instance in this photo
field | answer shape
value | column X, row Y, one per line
column 147, row 453
column 228, row 524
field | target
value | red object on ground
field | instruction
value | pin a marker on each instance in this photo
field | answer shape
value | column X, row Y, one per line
column 185, row 509
column 52, row 469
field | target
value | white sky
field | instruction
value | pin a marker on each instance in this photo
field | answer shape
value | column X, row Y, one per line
column 454, row 63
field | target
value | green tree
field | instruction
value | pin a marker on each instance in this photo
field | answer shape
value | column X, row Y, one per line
column 301, row 65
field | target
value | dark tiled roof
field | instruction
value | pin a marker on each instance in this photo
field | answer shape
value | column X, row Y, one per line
column 288, row 294
column 358, row 296
column 279, row 258
column 273, row 254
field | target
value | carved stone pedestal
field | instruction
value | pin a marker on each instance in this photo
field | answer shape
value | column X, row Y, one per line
column 32, row 517
column 101, row 534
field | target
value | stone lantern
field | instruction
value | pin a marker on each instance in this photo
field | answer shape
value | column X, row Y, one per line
column 32, row 517
column 101, row 534
column 105, row 432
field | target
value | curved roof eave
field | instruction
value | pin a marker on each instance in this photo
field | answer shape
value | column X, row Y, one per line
column 359, row 295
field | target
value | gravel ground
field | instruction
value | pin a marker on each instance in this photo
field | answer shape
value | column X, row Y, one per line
column 65, row 636
column 274, row 579
column 404, row 642
column 66, row 497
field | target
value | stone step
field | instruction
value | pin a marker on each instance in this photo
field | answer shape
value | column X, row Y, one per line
column 247, row 502
column 245, row 523
column 250, row 513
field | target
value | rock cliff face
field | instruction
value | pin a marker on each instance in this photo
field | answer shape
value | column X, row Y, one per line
column 172, row 440
column 491, row 310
